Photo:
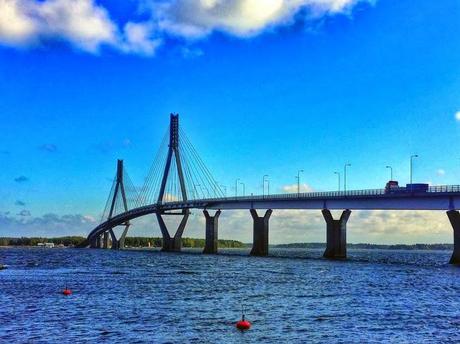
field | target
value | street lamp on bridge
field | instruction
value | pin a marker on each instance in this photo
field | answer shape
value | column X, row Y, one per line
column 244, row 190
column 411, row 168
column 338, row 177
column 298, row 182
column 391, row 172
column 345, row 176
column 263, row 185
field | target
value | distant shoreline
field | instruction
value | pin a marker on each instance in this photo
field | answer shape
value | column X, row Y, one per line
column 133, row 242
column 427, row 247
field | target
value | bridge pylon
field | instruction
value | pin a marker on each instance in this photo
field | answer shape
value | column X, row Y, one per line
column 109, row 238
column 173, row 243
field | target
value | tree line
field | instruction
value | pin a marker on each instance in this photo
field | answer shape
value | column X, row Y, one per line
column 365, row 246
column 33, row 241
column 129, row 241
column 186, row 242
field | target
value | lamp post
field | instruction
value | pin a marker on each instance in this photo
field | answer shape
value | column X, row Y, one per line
column 263, row 184
column 268, row 187
column 236, row 187
column 411, row 168
column 244, row 191
column 391, row 172
column 345, row 176
column 338, row 177
column 298, row 182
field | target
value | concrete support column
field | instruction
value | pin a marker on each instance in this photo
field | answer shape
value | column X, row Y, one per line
column 454, row 218
column 173, row 243
column 336, row 247
column 114, row 240
column 121, row 241
column 94, row 242
column 211, row 232
column 100, row 241
column 105, row 240
column 260, row 242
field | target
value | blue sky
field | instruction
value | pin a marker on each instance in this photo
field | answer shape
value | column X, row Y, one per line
column 307, row 84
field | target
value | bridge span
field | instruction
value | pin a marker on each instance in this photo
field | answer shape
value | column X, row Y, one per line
column 174, row 177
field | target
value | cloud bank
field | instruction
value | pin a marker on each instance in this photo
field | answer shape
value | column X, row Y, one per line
column 47, row 225
column 286, row 226
column 87, row 25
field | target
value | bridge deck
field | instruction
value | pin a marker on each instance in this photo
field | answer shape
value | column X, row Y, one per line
column 435, row 198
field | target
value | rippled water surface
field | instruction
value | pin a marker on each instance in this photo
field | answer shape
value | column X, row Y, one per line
column 291, row 297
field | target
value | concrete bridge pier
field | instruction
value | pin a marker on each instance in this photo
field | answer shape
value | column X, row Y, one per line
column 260, row 241
column 105, row 240
column 454, row 218
column 171, row 244
column 212, row 224
column 121, row 241
column 336, row 247
column 94, row 242
column 100, row 241
column 114, row 242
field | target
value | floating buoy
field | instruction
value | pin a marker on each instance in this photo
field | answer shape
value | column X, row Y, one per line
column 67, row 292
column 243, row 324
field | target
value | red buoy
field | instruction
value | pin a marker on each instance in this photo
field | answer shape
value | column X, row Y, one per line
column 243, row 325
column 67, row 292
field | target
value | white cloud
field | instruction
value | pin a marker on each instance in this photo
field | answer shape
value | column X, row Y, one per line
column 138, row 39
column 198, row 18
column 457, row 115
column 440, row 172
column 80, row 22
column 293, row 188
column 87, row 25
column 16, row 27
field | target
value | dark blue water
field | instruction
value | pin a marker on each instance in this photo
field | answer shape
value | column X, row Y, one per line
column 295, row 297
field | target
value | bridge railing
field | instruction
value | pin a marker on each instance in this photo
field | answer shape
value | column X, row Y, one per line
column 444, row 188
column 401, row 191
column 302, row 195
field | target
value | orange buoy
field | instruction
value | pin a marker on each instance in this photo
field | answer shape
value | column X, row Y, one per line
column 67, row 292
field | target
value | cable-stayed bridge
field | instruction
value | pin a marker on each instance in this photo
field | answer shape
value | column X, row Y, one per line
column 179, row 181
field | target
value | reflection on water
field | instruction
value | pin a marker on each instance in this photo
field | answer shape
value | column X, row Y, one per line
column 293, row 296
